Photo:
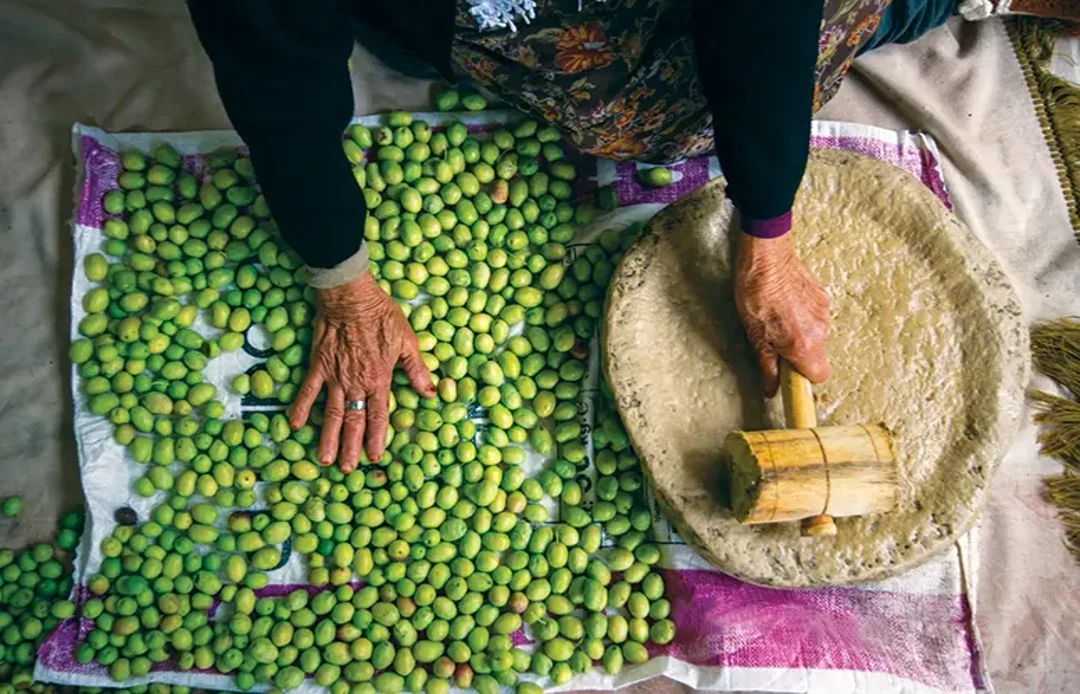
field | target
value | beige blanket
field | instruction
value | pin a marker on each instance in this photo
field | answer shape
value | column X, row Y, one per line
column 135, row 65
column 962, row 84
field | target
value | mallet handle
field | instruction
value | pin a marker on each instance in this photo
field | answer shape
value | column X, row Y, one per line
column 799, row 413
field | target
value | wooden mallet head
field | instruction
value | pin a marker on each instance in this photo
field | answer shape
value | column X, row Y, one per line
column 810, row 472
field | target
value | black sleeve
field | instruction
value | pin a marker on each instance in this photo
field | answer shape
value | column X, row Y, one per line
column 281, row 70
column 756, row 61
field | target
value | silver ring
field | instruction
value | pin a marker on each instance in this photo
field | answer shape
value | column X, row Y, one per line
column 357, row 405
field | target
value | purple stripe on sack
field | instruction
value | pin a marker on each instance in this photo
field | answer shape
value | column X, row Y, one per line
column 194, row 163
column 722, row 622
column 694, row 173
column 919, row 161
column 58, row 651
column 691, row 174
column 101, row 166
column 932, row 177
column 977, row 664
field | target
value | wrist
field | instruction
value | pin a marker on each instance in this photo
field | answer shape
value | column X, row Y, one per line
column 764, row 253
column 768, row 227
column 345, row 272
column 344, row 302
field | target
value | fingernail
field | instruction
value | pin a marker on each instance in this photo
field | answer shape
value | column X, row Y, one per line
column 327, row 461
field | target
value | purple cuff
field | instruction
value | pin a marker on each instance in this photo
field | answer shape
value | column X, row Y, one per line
column 771, row 228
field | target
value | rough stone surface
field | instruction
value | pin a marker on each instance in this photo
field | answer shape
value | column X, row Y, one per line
column 927, row 337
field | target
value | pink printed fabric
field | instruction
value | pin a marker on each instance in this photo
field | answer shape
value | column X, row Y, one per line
column 917, row 160
column 689, row 175
column 905, row 152
column 58, row 651
column 723, row 622
column 101, row 166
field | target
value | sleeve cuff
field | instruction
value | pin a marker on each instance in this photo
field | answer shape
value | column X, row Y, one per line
column 344, row 272
column 771, row 228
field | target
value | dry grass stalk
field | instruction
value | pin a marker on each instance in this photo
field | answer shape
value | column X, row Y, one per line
column 1060, row 436
column 1055, row 350
column 1065, row 494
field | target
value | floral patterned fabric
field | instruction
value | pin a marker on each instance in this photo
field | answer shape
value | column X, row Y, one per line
column 619, row 77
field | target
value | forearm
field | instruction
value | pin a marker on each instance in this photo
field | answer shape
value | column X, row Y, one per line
column 757, row 68
column 286, row 89
column 309, row 186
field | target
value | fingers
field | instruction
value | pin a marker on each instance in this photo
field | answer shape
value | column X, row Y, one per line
column 333, row 418
column 806, row 350
column 416, row 370
column 812, row 363
column 378, row 417
column 314, row 382
column 352, row 436
column 805, row 353
column 318, row 334
column 305, row 398
column 769, row 363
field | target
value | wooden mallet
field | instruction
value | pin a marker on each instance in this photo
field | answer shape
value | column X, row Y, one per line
column 810, row 472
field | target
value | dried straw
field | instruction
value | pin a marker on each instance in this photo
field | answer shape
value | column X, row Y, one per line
column 1055, row 349
column 1055, row 346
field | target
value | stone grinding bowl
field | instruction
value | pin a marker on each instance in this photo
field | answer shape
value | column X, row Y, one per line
column 927, row 337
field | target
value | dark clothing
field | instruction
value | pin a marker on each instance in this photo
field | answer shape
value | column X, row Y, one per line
column 761, row 112
column 906, row 21
column 762, row 68
column 281, row 69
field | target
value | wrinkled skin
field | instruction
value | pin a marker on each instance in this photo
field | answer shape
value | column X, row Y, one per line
column 360, row 334
column 783, row 308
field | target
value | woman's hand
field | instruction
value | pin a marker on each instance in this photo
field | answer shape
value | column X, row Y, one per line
column 360, row 333
column 784, row 309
